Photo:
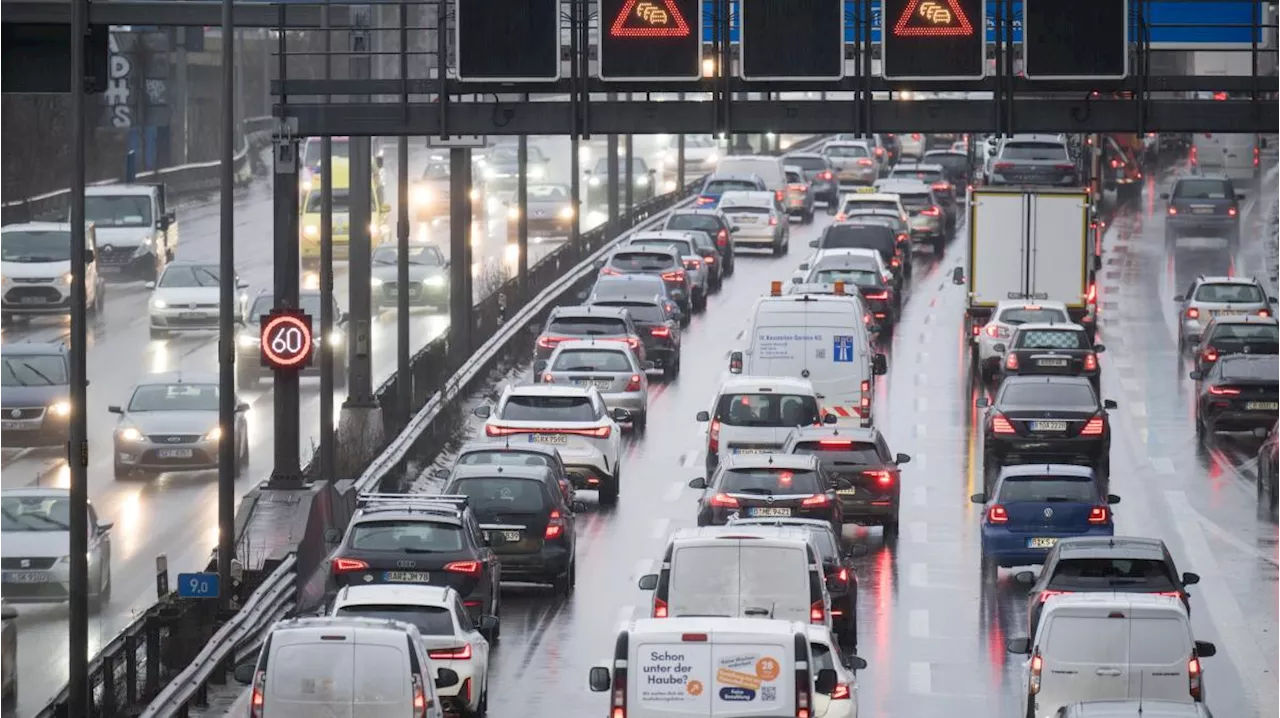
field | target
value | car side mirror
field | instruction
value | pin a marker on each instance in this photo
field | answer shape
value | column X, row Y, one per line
column 1196, row 375
column 1113, row 499
column 332, row 535
column 115, row 409
column 735, row 363
column 1272, row 300
column 826, row 681
column 440, row 473
column 702, row 416
column 148, row 285
column 379, row 161
column 1179, row 298
column 978, row 498
column 957, row 275
column 1190, row 579
column 648, row 582
column 830, row 419
column 620, row 414
column 813, row 243
column 539, row 367
column 599, row 679
column 482, row 412
column 698, row 483
column 982, row 402
column 879, row 365
column 1025, row 578
column 446, row 678
column 244, row 673
column 1164, row 195
column 88, row 256
column 804, row 267
column 1109, row 404
column 1019, row 646
column 488, row 625
column 1205, row 649
column 242, row 407
column 1099, row 348
column 241, row 284
column 902, row 459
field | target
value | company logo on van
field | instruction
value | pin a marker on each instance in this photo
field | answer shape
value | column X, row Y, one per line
column 734, row 693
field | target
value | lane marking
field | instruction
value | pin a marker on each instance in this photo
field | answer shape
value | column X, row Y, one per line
column 660, row 527
column 918, row 625
column 673, row 493
column 919, row 495
column 1162, row 465
column 1130, row 385
column 918, row 575
column 690, row 458
column 921, row 403
column 919, row 531
column 920, row 678
column 1138, row 409
column 16, row 456
column 919, row 461
column 920, row 431
column 927, row 318
column 1180, row 497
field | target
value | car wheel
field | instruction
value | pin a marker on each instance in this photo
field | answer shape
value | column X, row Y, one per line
column 808, row 216
column 565, row 582
column 640, row 422
column 987, row 567
column 609, row 494
column 1201, row 429
column 939, row 246
column 159, row 333
column 482, row 708
column 891, row 528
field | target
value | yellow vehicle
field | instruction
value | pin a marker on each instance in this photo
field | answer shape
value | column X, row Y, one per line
column 309, row 224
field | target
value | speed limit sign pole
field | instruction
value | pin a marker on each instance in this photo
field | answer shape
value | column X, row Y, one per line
column 287, row 338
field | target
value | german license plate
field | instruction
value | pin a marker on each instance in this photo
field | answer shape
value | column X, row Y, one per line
column 174, row 453
column 600, row 384
column 1051, row 362
column 769, row 512
column 1202, row 210
column 17, row 426
column 191, row 315
column 1263, row 406
column 548, row 439
column 1048, row 426
column 1041, row 542
column 751, row 451
column 26, row 577
column 406, row 576
column 507, row 536
column 745, row 219
column 34, row 300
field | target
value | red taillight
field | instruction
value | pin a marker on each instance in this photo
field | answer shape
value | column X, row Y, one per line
column 1193, row 313
column 1011, row 363
column 797, row 187
column 713, row 437
column 777, row 194
column 997, row 515
column 610, row 271
column 724, row 501
column 633, row 384
column 462, row 653
column 864, row 162
column 555, row 526
column 1090, row 362
column 1037, row 664
column 722, row 238
column 915, row 135
column 841, row 217
column 1115, row 164
column 1224, row 391
column 773, row 221
column 1001, row 425
column 1173, row 210
column 1220, row 96
column 1092, row 295
column 841, row 692
column 843, row 576
column 419, row 698
column 709, row 259
column 547, row 378
column 931, row 211
column 347, row 565
column 1049, row 593
column 676, row 276
column 705, row 200
column 692, row 263
column 844, row 443
column 995, row 331
column 1231, row 211
column 1098, row 515
column 825, row 175
column 662, row 332
column 817, row 613
column 877, row 295
column 550, row 342
column 943, row 186
column 882, row 477
column 259, row 694
column 1093, row 428
column 633, row 342
column 1193, row 678
column 895, row 262
column 816, row 500
column 659, row 608
column 976, row 329
column 1004, row 166
column 1264, row 312
column 879, row 151
column 471, row 568
column 902, row 238
column 1210, row 355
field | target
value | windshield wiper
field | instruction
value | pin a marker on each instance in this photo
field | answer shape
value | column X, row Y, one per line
column 577, row 368
column 418, row 550
column 33, row 370
column 756, row 491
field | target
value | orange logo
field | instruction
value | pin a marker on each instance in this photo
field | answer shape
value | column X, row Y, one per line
column 767, row 669
column 693, row 688
column 648, row 18
column 933, row 18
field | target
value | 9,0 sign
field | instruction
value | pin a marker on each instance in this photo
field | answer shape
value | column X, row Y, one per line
column 286, row 339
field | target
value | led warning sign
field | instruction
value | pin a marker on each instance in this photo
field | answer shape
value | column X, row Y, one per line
column 651, row 40
column 934, row 40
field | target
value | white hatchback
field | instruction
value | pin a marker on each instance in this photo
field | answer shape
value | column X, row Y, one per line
column 186, row 298
column 758, row 219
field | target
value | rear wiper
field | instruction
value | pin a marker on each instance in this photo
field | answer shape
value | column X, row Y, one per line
column 1056, row 499
column 418, row 550
column 759, row 492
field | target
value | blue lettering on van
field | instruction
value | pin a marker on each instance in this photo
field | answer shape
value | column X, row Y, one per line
column 734, row 693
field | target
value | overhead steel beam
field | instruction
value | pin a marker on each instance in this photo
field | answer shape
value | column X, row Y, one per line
column 207, row 13
column 548, row 118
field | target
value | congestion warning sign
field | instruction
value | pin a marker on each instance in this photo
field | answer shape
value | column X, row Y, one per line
column 651, row 40
column 930, row 18
column 643, row 18
column 934, row 40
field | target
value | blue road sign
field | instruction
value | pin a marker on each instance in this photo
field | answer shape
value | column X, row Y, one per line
column 842, row 348
column 198, row 585
column 1213, row 16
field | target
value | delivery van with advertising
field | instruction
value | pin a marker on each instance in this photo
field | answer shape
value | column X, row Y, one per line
column 713, row 667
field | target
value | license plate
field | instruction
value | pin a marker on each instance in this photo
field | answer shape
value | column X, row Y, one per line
column 751, row 451
column 1048, row 426
column 548, row 439
column 769, row 512
column 34, row 300
column 748, row 219
column 1041, row 542
column 18, row 426
column 26, row 577
column 191, row 315
column 507, row 536
column 406, row 576
column 600, row 384
column 1263, row 406
column 1226, row 313
column 1051, row 362
column 1202, row 210
column 847, row 492
column 174, row 453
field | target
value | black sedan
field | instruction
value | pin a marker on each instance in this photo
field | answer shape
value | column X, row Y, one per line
column 658, row 326
column 768, row 486
column 1240, row 393
column 1202, row 205
column 1228, row 334
column 866, row 473
column 1045, row 420
column 1051, row 349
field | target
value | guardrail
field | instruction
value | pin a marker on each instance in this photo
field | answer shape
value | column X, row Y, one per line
column 181, row 180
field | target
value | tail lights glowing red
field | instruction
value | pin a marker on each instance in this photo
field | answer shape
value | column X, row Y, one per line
column 817, row 613
column 933, row 211
column 864, row 162
column 1092, row 295
column 881, row 476
column 879, row 151
column 1264, row 312
column 1231, row 211
column 777, row 194
column 661, row 332
column 915, row 136
column 1090, row 362
column 876, row 296
column 419, row 698
column 659, row 608
column 843, row 576
column 611, row 272
column 773, row 221
column 841, row 692
column 599, row 432
column 841, row 217
column 692, row 263
column 555, row 526
column 997, row 514
column 471, row 568
column 1209, row 355
column 1193, row 677
column 1037, row 665
column 722, row 238
column 462, row 653
column 1001, row 166
column 346, row 565
column 547, row 378
column 713, row 437
column 1001, row 425
column 1093, row 428
column 816, row 500
column 633, row 384
column 550, row 342
column 1224, row 391
column 836, row 443
column 676, row 276
column 976, row 329
column 1011, row 363
column 259, row 694
column 1193, row 313
column 1173, row 211
column 709, row 259
column 825, row 175
column 1099, row 515
column 703, row 201
column 996, row 331
column 942, row 186
column 724, row 501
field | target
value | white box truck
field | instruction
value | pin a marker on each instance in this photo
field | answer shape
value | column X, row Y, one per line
column 1030, row 243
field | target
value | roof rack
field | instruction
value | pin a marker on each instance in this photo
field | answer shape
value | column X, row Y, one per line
column 439, row 502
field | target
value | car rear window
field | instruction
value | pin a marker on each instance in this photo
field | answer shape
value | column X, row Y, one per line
column 587, row 326
column 915, row 200
column 822, row 656
column 501, row 457
column 808, row 164
column 490, row 495
column 767, row 410
column 548, row 408
column 1111, row 574
column 684, row 247
column 1159, row 641
column 769, row 481
column 702, row 222
column 879, row 220
column 851, row 452
column 704, row 579
column 722, row 186
column 857, row 204
column 860, row 277
column 643, row 261
column 949, row 160
column 645, row 313
column 1051, row 339
column 1264, row 367
column 857, row 236
column 1047, row 489
column 1245, row 333
column 1024, row 315
column 1230, row 294
column 1203, row 189
column 592, row 360
column 1033, row 151
column 1078, row 639
column 429, row 620
column 846, row 151
column 413, row 536
column 746, row 209
column 923, row 175
column 1050, row 396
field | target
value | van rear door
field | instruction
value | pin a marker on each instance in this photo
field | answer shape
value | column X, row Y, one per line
column 310, row 672
column 670, row 674
column 1085, row 657
column 383, row 686
column 754, row 675
column 1159, row 652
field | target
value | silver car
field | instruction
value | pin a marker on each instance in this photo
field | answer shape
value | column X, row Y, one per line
column 610, row 367
column 35, row 528
column 428, row 276
column 1210, row 297
column 171, row 424
column 854, row 161
column 1033, row 160
column 694, row 263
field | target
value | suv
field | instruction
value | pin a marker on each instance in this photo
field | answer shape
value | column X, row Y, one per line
column 821, row 175
column 1033, row 160
column 768, row 486
column 588, row 322
column 714, row 224
column 1236, row 334
column 1240, row 392
column 1203, row 205
column 697, row 271
column 664, row 262
column 658, row 326
column 1210, row 297
column 36, row 394
column 867, row 475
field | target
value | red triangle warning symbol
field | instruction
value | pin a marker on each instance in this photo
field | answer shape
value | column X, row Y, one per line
column 933, row 18
column 650, row 18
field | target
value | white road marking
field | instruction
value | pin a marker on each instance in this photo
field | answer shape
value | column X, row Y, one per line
column 660, row 528
column 1213, row 528
column 1130, row 385
column 919, row 531
column 919, row 494
column 920, row 431
column 673, row 493
column 918, row 461
column 1163, row 465
column 690, row 458
column 918, row 575
column 919, row 623
column 921, row 403
column 920, row 678
column 922, row 357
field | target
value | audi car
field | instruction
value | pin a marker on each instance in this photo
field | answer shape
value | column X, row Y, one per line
column 868, row 476
column 655, row 318
column 768, row 486
column 1236, row 334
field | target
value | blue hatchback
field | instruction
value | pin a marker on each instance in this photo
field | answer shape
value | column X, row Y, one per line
column 717, row 184
column 1035, row 505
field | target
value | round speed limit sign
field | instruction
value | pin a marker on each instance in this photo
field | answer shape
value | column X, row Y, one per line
column 286, row 339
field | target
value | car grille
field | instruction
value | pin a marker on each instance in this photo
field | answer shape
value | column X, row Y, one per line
column 46, row 295
column 208, row 321
column 174, row 438
column 391, row 290
column 15, row 564
column 197, row 458
column 35, row 591
column 33, row 280
column 23, row 413
column 114, row 255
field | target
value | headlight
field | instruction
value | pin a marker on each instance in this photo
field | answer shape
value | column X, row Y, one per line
column 376, row 281
column 436, row 281
column 248, row 340
column 475, row 195
column 375, row 230
column 642, row 181
column 311, row 231
column 712, row 158
column 311, row 280
column 566, row 212
column 335, row 338
column 214, row 434
column 60, row 408
column 421, row 195
column 513, row 213
column 67, row 279
column 141, row 250
column 669, row 186
column 159, row 303
column 537, row 173
column 594, row 181
column 130, row 434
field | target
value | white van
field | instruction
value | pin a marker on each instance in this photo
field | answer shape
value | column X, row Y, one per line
column 766, row 167
column 710, row 666
column 1111, row 646
column 825, row 339
column 35, row 270
column 1234, row 154
column 345, row 668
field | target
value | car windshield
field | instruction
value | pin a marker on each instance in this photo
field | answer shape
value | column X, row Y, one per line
column 587, row 326
column 188, row 276
column 1203, row 189
column 728, row 185
column 501, row 495
column 769, row 481
column 1030, row 315
column 601, row 360
column 340, row 202
column 767, row 409
column 1252, row 368
column 1230, row 294
column 843, row 451
column 175, row 397
column 33, row 370
column 808, row 164
column 310, row 304
column 35, row 513
column 859, row 236
column 314, row 151
column 436, row 171
column 1111, row 573
column 35, row 246
column 1073, row 396
column 122, row 210
column 683, row 246
column 548, row 193
column 1047, row 489
column 504, row 457
column 640, row 312
column 415, row 536
column 1230, row 335
column 846, row 151
column 1033, row 151
column 860, row 277
column 429, row 620
column 1051, row 339
column 549, row 409
column 422, row 256
column 643, row 261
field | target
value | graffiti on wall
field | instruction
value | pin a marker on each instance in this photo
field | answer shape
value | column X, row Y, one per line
column 119, row 95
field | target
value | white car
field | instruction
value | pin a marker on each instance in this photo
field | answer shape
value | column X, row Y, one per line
column 694, row 264
column 35, row 270
column 755, row 415
column 701, row 151
column 759, row 219
column 1006, row 317
column 33, row 540
column 869, row 198
column 186, row 299
column 807, row 272
column 843, row 701
column 573, row 419
column 452, row 640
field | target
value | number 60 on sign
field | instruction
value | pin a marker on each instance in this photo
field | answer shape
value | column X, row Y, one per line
column 286, row 339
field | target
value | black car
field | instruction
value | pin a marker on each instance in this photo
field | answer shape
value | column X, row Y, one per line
column 658, row 327
column 1045, row 420
column 768, row 486
column 1240, row 393
column 892, row 220
column 643, row 181
column 1228, row 334
column 1203, row 205
column 1051, row 349
column 867, row 475
column 658, row 262
column 1095, row 564
column 587, row 322
column 249, row 367
column 493, row 452
column 857, row 235
column 35, row 394
column 526, row 520
column 820, row 174
column 935, row 176
column 955, row 166
column 1269, row 466
column 714, row 224
column 419, row 538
